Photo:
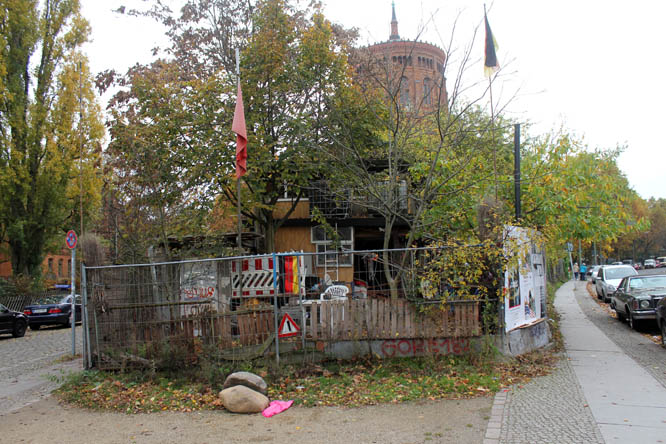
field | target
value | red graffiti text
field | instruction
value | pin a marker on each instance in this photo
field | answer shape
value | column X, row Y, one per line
column 418, row 347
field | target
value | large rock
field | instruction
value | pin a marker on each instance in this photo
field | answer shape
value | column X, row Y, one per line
column 247, row 379
column 240, row 399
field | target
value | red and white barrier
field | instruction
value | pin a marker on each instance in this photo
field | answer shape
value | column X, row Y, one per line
column 257, row 277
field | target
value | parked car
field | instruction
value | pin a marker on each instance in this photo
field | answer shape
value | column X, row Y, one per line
column 609, row 278
column 617, row 263
column 636, row 298
column 52, row 312
column 12, row 322
column 649, row 263
column 592, row 272
column 661, row 320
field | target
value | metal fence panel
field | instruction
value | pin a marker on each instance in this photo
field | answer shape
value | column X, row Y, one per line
column 181, row 313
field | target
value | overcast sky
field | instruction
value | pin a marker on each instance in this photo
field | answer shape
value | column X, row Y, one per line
column 591, row 66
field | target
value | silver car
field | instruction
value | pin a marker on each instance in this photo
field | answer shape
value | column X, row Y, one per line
column 593, row 271
column 609, row 277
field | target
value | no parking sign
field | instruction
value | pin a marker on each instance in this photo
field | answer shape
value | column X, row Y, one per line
column 71, row 239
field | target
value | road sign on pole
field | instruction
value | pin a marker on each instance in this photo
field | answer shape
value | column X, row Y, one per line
column 71, row 239
column 569, row 247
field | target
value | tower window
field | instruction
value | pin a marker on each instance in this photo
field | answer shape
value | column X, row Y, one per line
column 404, row 91
column 427, row 91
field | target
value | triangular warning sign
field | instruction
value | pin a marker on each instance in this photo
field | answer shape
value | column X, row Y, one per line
column 288, row 327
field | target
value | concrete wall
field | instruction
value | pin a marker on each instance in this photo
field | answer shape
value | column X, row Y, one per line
column 525, row 339
column 514, row 343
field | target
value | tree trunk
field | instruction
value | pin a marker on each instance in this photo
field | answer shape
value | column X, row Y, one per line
column 392, row 281
column 269, row 236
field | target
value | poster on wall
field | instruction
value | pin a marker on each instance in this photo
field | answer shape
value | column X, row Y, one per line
column 198, row 283
column 525, row 282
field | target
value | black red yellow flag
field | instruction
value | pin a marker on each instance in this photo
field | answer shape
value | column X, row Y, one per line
column 491, row 64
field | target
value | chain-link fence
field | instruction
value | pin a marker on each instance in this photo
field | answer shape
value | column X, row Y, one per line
column 17, row 301
column 176, row 314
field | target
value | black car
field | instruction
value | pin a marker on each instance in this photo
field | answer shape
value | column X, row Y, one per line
column 636, row 297
column 12, row 322
column 52, row 312
column 661, row 320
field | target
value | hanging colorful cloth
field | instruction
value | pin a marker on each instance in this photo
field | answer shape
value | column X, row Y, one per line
column 291, row 274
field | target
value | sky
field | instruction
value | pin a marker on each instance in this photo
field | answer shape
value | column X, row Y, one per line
column 591, row 67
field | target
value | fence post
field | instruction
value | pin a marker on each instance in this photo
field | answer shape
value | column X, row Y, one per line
column 86, row 326
column 301, row 290
column 275, row 308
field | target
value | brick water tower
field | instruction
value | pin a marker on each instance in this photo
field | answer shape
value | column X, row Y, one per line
column 415, row 68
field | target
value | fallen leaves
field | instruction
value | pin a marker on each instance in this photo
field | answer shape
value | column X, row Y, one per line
column 132, row 397
column 349, row 384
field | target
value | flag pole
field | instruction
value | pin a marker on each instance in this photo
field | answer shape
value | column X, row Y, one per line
column 492, row 130
column 238, row 193
column 491, row 57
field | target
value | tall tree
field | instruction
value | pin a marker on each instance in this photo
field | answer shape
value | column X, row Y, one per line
column 50, row 130
column 293, row 62
column 572, row 193
column 407, row 156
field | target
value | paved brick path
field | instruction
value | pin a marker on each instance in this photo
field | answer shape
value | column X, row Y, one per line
column 549, row 409
column 29, row 366
column 35, row 350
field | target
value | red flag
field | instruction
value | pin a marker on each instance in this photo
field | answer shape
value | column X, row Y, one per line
column 238, row 127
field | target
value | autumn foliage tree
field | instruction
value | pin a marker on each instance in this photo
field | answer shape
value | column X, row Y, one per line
column 50, row 127
column 179, row 111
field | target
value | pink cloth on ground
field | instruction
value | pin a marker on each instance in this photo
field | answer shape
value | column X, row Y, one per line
column 276, row 407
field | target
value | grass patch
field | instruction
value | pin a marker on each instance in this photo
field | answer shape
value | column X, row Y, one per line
column 66, row 358
column 335, row 383
column 554, row 316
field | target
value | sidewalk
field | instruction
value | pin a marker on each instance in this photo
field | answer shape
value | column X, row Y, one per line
column 597, row 394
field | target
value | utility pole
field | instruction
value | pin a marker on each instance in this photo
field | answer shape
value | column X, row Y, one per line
column 516, row 170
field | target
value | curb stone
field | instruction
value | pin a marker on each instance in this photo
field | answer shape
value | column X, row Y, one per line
column 497, row 413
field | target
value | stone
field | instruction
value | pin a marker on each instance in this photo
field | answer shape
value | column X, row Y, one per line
column 241, row 399
column 249, row 380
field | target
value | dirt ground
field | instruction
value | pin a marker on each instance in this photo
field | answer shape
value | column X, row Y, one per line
column 46, row 421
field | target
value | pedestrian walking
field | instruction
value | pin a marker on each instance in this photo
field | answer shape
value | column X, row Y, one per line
column 583, row 271
column 575, row 270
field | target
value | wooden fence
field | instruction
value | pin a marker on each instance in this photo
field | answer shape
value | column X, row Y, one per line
column 139, row 334
column 385, row 319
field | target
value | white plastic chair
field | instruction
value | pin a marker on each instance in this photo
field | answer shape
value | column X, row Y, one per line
column 334, row 292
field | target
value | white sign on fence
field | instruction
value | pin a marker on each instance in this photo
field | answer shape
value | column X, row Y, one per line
column 198, row 283
column 524, row 285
